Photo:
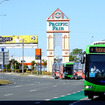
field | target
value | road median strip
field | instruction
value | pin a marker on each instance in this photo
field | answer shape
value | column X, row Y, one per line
column 4, row 82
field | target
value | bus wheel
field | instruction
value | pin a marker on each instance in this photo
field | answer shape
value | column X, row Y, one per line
column 65, row 77
column 55, row 77
column 90, row 97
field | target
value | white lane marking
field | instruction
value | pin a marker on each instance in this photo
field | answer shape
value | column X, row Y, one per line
column 47, row 99
column 62, row 95
column 68, row 94
column 74, row 92
column 54, row 85
column 55, row 97
column 18, row 86
column 33, row 90
column 24, row 85
column 78, row 91
column 8, row 94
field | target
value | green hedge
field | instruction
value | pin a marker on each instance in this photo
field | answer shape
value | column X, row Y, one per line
column 46, row 73
column 17, row 70
column 27, row 71
column 43, row 72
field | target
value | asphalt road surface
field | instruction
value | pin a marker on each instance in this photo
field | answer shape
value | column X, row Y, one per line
column 30, row 90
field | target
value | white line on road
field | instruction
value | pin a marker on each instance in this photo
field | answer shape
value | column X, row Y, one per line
column 74, row 92
column 68, row 94
column 18, row 86
column 55, row 97
column 62, row 95
column 47, row 99
column 33, row 90
column 8, row 94
column 24, row 85
column 78, row 91
column 55, row 86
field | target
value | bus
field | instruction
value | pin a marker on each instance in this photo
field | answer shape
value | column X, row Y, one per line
column 94, row 59
column 62, row 70
column 78, row 71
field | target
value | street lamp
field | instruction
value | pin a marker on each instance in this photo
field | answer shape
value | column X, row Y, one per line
column 3, row 1
column 22, row 56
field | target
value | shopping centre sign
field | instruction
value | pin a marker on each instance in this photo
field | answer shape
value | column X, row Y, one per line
column 58, row 25
column 57, row 22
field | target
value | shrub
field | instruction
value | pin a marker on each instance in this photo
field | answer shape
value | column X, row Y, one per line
column 46, row 73
column 28, row 71
column 34, row 72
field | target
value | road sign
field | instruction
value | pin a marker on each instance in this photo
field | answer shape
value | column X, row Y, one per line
column 1, row 57
column 4, row 56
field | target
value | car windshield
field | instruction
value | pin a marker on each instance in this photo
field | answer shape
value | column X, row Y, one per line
column 97, row 66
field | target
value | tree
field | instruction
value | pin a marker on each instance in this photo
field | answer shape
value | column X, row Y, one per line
column 55, row 60
column 14, row 63
column 32, row 65
column 44, row 63
column 75, row 55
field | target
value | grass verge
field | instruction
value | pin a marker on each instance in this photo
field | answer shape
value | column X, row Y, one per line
column 4, row 82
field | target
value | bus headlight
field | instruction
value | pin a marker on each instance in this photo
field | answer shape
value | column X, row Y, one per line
column 88, row 87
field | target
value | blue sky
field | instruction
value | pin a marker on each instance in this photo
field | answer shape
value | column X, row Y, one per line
column 28, row 17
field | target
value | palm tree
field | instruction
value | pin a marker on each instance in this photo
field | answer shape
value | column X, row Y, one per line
column 32, row 65
column 44, row 63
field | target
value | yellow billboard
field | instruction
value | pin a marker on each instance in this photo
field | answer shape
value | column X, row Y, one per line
column 28, row 39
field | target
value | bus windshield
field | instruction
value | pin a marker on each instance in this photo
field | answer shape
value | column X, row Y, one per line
column 69, row 69
column 97, row 66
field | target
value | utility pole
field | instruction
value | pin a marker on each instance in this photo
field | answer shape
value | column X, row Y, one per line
column 22, row 56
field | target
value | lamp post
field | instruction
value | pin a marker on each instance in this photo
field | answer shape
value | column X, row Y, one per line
column 22, row 56
column 3, row 1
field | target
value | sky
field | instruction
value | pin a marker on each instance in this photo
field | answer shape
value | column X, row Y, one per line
column 28, row 17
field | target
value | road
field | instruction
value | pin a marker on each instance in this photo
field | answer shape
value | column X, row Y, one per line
column 33, row 88
column 37, row 90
